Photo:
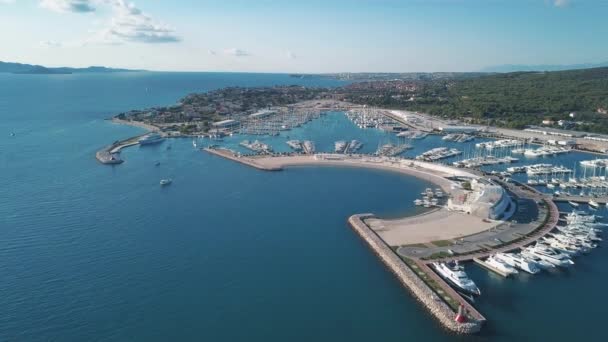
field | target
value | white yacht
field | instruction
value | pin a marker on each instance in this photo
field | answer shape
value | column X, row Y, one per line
column 549, row 254
column 454, row 274
column 574, row 204
column 593, row 204
column 520, row 262
column 543, row 264
column 499, row 264
column 153, row 138
column 164, row 182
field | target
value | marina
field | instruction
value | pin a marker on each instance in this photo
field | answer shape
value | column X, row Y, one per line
column 497, row 245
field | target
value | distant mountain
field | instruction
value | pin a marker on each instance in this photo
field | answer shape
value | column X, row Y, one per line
column 19, row 68
column 542, row 67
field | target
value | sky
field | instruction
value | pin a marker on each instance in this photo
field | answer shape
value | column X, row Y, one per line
column 311, row 36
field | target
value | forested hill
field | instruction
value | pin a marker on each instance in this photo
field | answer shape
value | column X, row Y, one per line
column 513, row 99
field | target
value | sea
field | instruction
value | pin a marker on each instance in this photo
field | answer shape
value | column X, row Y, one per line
column 91, row 252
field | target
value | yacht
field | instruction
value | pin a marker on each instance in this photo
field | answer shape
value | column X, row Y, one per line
column 499, row 264
column 454, row 274
column 543, row 264
column 519, row 261
column 593, row 204
column 194, row 143
column 150, row 139
column 574, row 204
column 418, row 202
column 164, row 182
column 339, row 146
column 549, row 254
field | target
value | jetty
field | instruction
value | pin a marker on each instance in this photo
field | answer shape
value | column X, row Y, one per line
column 436, row 302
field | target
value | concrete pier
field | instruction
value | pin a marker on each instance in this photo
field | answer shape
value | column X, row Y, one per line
column 411, row 281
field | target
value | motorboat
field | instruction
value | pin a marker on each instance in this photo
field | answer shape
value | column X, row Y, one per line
column 454, row 273
column 499, row 264
column 519, row 262
column 165, row 182
column 594, row 204
column 549, row 254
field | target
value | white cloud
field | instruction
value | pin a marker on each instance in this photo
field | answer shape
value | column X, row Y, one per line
column 78, row 6
column 127, row 23
column 211, row 52
column 6, row 2
column 236, row 52
column 291, row 55
column 130, row 24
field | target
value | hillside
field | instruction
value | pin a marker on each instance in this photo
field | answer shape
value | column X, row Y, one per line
column 512, row 99
column 19, row 68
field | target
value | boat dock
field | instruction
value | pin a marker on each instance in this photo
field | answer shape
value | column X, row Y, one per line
column 490, row 268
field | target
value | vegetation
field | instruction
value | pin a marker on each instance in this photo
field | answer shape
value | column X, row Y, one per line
column 442, row 243
column 511, row 100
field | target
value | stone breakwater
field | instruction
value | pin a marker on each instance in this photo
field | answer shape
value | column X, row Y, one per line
column 423, row 293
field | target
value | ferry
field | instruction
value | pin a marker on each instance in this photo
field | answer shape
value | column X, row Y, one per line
column 518, row 261
column 150, row 139
column 454, row 274
column 164, row 182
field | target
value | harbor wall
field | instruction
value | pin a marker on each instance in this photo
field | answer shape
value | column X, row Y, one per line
column 422, row 292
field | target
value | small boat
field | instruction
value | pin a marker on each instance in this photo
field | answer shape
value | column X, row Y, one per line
column 574, row 204
column 592, row 203
column 157, row 163
column 164, row 182
column 194, row 143
column 12, row 134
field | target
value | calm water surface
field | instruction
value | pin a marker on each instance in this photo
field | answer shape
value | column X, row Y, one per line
column 226, row 253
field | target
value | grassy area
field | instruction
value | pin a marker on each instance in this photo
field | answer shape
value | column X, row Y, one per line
column 442, row 243
column 451, row 302
column 438, row 255
column 416, row 245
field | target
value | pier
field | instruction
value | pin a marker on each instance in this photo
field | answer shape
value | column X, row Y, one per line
column 110, row 155
column 433, row 301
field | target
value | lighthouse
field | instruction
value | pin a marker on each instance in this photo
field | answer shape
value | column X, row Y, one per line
column 460, row 316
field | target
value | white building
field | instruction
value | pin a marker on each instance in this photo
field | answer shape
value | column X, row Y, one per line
column 485, row 200
column 459, row 129
column 225, row 123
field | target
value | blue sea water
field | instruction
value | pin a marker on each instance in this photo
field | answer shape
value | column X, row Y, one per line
column 226, row 253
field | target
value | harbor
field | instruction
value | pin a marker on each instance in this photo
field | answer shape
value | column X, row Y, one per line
column 475, row 214
column 486, row 243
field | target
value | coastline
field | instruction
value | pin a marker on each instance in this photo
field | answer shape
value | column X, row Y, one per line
column 139, row 124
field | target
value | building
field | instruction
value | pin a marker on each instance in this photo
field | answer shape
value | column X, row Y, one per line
column 555, row 132
column 225, row 124
column 459, row 129
column 484, row 199
column 262, row 114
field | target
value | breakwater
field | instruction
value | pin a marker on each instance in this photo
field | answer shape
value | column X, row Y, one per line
column 423, row 293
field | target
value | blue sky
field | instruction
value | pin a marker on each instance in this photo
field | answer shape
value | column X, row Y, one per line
column 303, row 36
